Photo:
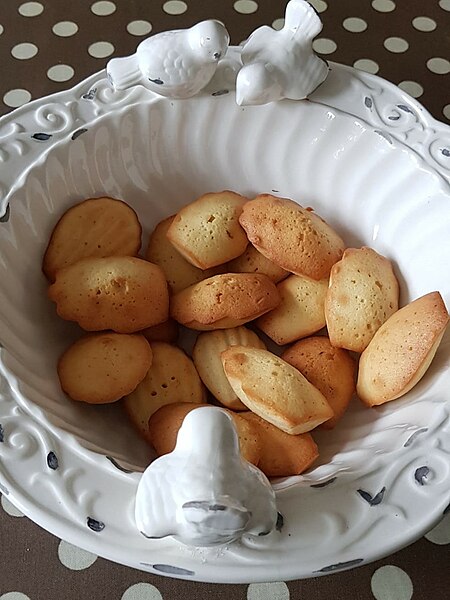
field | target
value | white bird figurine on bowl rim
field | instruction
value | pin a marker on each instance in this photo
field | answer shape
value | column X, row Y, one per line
column 177, row 64
column 204, row 493
column 282, row 64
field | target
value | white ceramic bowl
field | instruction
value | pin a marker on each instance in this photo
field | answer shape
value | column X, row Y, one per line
column 372, row 162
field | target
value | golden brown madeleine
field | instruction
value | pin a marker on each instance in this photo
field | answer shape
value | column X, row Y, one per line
column 402, row 350
column 275, row 390
column 101, row 368
column 252, row 261
column 207, row 358
column 179, row 273
column 224, row 301
column 96, row 227
column 163, row 332
column 331, row 370
column 362, row 295
column 207, row 231
column 282, row 455
column 121, row 293
column 300, row 312
column 164, row 425
column 172, row 378
column 293, row 237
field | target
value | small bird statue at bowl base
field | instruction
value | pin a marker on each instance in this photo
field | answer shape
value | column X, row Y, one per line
column 282, row 64
column 204, row 493
column 177, row 64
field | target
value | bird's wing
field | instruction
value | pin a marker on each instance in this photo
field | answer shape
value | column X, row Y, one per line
column 302, row 20
column 257, row 43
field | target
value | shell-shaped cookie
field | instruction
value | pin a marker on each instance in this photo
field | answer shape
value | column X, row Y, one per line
column 96, row 227
column 275, row 390
column 207, row 358
column 252, row 261
column 300, row 312
column 402, row 350
column 363, row 293
column 293, row 237
column 123, row 293
column 207, row 231
column 101, row 368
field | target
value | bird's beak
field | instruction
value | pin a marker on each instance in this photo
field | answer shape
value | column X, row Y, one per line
column 217, row 56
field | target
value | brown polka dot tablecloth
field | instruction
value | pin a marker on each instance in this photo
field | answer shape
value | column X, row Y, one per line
column 50, row 45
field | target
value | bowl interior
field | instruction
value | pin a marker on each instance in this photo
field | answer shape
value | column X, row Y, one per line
column 159, row 156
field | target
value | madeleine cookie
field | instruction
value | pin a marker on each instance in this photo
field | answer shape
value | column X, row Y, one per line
column 164, row 425
column 252, row 261
column 163, row 332
column 300, row 312
column 102, row 367
column 224, row 301
column 179, row 273
column 282, row 455
column 275, row 390
column 123, row 293
column 401, row 350
column 97, row 227
column 206, row 354
column 171, row 378
column 331, row 370
column 207, row 231
column 362, row 295
column 293, row 237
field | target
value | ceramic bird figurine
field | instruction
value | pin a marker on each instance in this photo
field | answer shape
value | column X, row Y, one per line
column 282, row 64
column 175, row 63
column 203, row 493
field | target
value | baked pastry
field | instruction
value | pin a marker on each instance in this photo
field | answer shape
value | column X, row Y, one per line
column 300, row 312
column 179, row 273
column 275, row 390
column 363, row 293
column 163, row 332
column 101, row 368
column 331, row 370
column 224, row 301
column 96, row 227
column 206, row 355
column 402, row 350
column 282, row 455
column 207, row 231
column 293, row 237
column 164, row 424
column 252, row 261
column 121, row 293
column 171, row 378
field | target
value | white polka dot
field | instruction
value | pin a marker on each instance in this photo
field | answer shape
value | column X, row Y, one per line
column 278, row 24
column 424, row 24
column 175, row 7
column 440, row 534
column 446, row 111
column 31, row 9
column 139, row 27
column 391, row 583
column 14, row 596
column 103, row 8
column 319, row 5
column 1, row 29
column 17, row 97
column 444, row 4
column 101, row 49
column 324, row 46
column 268, row 591
column 24, row 51
column 75, row 558
column 412, row 88
column 365, row 64
column 245, row 7
column 383, row 5
column 354, row 24
column 396, row 44
column 60, row 73
column 65, row 28
column 9, row 508
column 142, row 591
column 441, row 66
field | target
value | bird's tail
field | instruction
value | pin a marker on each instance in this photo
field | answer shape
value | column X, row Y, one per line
column 302, row 18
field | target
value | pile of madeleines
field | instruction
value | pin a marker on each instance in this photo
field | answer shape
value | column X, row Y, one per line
column 222, row 262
